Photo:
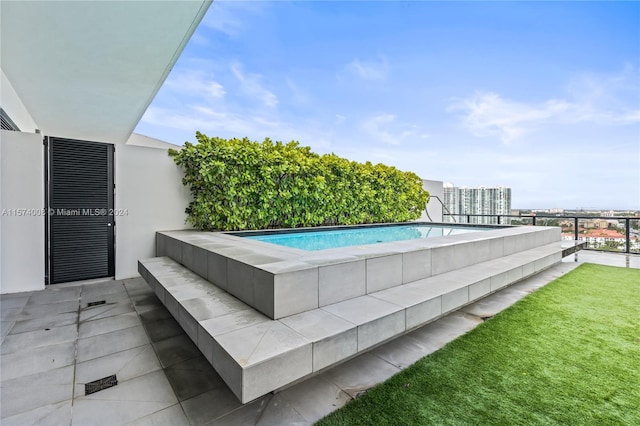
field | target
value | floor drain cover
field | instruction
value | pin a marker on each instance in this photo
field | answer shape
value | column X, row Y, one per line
column 99, row 302
column 101, row 384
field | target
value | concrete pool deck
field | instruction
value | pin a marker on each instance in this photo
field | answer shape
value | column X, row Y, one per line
column 163, row 379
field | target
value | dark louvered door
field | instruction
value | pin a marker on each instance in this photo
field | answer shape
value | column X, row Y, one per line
column 80, row 201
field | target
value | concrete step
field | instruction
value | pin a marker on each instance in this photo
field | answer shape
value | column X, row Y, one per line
column 255, row 354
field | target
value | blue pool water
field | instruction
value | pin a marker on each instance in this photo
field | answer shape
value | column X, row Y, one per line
column 321, row 240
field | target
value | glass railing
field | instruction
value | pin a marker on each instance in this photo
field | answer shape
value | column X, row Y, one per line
column 604, row 233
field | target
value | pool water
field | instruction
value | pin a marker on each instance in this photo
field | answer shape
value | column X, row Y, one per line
column 328, row 239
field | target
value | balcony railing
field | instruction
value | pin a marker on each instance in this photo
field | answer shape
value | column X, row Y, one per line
column 621, row 234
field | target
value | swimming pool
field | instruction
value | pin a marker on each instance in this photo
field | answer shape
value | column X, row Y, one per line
column 347, row 237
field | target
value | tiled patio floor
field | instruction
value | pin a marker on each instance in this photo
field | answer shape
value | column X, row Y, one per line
column 53, row 343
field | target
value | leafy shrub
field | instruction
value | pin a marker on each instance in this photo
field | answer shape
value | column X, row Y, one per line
column 241, row 184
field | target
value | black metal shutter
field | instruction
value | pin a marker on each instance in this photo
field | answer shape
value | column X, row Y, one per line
column 80, row 210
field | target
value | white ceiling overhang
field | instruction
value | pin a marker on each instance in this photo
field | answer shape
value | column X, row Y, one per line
column 89, row 69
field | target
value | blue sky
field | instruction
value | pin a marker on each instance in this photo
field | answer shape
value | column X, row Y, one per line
column 543, row 97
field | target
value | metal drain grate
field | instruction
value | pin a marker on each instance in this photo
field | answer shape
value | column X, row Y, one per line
column 101, row 384
column 99, row 302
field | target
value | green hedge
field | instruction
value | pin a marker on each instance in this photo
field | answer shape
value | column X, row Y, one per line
column 240, row 184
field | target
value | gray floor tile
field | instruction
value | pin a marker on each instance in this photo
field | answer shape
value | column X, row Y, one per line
column 105, row 311
column 109, row 413
column 47, row 310
column 171, row 416
column 28, row 393
column 5, row 328
column 404, row 351
column 111, row 298
column 248, row 414
column 176, row 349
column 109, row 324
column 126, row 365
column 9, row 314
column 360, row 374
column 15, row 300
column 128, row 401
column 54, row 295
column 54, row 414
column 103, row 289
column 109, row 343
column 315, row 398
column 33, row 361
column 162, row 329
column 200, row 409
column 279, row 412
column 193, row 377
column 57, row 320
column 35, row 339
column 153, row 386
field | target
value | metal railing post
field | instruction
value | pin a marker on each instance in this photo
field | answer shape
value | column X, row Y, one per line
column 575, row 228
column 627, row 224
column 534, row 221
column 498, row 216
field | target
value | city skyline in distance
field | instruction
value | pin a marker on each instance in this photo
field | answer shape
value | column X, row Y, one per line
column 478, row 93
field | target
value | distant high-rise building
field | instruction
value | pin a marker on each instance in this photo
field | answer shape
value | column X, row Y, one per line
column 477, row 201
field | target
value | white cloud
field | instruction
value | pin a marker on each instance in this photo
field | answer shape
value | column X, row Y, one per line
column 230, row 121
column 196, row 82
column 377, row 127
column 375, row 70
column 232, row 17
column 603, row 100
column 385, row 128
column 251, row 86
column 487, row 114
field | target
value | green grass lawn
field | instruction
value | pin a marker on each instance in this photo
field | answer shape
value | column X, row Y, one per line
column 566, row 354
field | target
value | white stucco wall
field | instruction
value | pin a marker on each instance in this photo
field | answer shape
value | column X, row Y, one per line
column 137, row 139
column 149, row 189
column 434, row 208
column 21, row 234
column 13, row 106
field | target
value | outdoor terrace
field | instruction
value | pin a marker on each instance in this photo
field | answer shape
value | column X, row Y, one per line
column 53, row 343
